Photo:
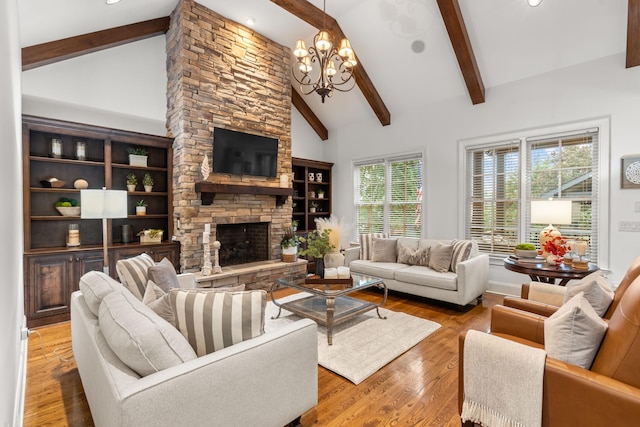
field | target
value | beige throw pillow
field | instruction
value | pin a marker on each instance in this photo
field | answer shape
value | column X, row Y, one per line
column 214, row 320
column 366, row 243
column 573, row 333
column 596, row 290
column 95, row 285
column 406, row 255
column 440, row 257
column 384, row 250
column 143, row 341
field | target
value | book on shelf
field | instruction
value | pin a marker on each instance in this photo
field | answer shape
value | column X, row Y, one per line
column 536, row 260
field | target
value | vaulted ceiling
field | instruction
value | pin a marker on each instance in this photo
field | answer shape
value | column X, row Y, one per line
column 415, row 52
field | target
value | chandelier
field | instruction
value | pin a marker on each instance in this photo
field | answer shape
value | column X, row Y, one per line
column 325, row 55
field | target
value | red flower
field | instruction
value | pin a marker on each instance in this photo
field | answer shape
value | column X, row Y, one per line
column 556, row 246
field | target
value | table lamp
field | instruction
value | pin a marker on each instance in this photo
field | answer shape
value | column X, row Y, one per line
column 550, row 212
column 103, row 204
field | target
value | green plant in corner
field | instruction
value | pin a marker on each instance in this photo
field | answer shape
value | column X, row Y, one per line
column 137, row 151
column 131, row 179
column 147, row 180
column 318, row 244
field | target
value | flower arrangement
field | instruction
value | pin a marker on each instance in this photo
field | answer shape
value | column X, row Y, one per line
column 556, row 245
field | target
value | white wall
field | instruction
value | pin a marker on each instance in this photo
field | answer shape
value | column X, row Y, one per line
column 595, row 89
column 12, row 301
column 123, row 87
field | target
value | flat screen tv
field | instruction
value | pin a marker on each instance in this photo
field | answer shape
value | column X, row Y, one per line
column 242, row 153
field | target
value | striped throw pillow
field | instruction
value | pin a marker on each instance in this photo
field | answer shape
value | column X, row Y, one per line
column 366, row 243
column 211, row 321
column 461, row 252
column 133, row 273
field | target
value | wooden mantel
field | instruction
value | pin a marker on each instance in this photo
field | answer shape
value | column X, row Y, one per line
column 208, row 191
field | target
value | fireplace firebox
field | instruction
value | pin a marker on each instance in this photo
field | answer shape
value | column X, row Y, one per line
column 243, row 243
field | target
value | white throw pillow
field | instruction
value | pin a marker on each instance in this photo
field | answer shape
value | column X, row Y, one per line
column 573, row 333
column 596, row 290
column 143, row 341
column 211, row 321
column 384, row 250
column 95, row 285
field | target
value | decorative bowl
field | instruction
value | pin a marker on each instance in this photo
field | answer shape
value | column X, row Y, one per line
column 52, row 183
column 526, row 253
column 69, row 210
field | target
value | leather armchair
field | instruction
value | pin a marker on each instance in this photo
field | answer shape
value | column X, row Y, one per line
column 524, row 303
column 606, row 395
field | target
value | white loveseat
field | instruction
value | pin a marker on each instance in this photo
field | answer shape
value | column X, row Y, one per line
column 270, row 380
column 461, row 287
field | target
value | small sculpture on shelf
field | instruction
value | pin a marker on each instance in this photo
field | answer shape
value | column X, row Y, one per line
column 204, row 169
column 216, row 257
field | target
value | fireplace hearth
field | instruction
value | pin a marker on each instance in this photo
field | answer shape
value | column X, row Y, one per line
column 243, row 243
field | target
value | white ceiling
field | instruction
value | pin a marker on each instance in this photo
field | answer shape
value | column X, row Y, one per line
column 511, row 40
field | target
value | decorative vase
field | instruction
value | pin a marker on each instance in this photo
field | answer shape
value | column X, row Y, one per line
column 137, row 160
column 320, row 267
column 131, row 187
column 312, row 210
column 148, row 188
column 554, row 259
column 141, row 210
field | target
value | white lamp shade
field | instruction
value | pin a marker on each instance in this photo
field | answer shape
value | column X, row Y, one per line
column 99, row 204
column 551, row 211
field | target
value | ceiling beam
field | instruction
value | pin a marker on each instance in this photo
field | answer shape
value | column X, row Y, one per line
column 633, row 33
column 318, row 19
column 450, row 11
column 59, row 50
column 309, row 115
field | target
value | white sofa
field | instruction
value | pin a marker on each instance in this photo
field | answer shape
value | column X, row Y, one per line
column 461, row 287
column 270, row 380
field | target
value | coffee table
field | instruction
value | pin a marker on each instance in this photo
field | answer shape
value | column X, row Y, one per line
column 328, row 305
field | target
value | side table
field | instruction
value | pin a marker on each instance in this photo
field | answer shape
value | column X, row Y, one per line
column 547, row 273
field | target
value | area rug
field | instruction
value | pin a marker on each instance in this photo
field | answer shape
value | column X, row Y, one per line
column 362, row 345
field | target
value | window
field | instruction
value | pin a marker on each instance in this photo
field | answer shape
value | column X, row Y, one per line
column 503, row 175
column 388, row 195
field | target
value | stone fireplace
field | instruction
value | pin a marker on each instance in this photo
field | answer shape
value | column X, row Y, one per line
column 222, row 74
column 243, row 243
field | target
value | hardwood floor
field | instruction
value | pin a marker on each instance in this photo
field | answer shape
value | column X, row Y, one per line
column 419, row 388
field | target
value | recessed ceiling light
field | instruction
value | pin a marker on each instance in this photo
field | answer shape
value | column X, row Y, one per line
column 534, row 3
column 112, row 1
column 250, row 21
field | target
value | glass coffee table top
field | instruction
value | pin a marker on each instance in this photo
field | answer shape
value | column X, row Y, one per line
column 328, row 304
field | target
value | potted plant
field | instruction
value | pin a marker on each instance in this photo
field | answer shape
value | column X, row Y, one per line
column 141, row 207
column 289, row 245
column 151, row 235
column 314, row 207
column 320, row 193
column 294, row 225
column 132, row 181
column 318, row 245
column 137, row 156
column 147, row 181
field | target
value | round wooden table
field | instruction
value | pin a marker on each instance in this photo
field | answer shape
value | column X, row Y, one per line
column 547, row 273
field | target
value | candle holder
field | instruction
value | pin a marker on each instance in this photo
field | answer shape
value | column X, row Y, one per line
column 216, row 259
column 206, row 266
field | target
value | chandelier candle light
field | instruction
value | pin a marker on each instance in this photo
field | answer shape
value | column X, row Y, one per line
column 324, row 53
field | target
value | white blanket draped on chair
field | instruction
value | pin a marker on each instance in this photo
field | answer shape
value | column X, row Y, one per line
column 502, row 382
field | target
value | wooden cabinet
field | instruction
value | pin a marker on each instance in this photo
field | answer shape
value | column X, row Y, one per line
column 50, row 280
column 72, row 153
column 311, row 192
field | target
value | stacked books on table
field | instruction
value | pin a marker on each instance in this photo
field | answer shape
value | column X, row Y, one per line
column 535, row 260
